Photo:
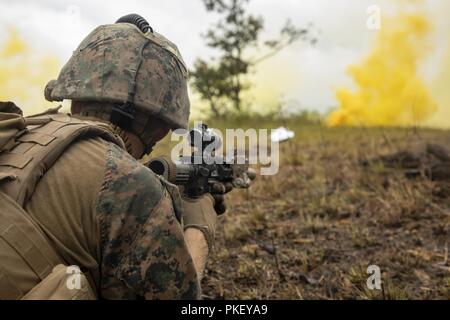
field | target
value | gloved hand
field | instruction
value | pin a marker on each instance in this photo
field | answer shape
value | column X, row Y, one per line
column 199, row 213
column 218, row 191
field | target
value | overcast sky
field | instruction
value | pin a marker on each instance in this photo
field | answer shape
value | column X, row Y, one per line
column 304, row 73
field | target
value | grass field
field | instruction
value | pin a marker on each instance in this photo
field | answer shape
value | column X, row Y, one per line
column 311, row 231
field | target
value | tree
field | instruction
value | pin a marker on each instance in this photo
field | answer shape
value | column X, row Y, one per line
column 221, row 81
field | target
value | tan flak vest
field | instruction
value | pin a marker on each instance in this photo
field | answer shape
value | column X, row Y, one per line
column 28, row 149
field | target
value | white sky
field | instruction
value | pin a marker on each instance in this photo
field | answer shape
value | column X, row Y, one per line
column 58, row 26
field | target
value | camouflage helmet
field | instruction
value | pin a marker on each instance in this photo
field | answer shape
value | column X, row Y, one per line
column 119, row 63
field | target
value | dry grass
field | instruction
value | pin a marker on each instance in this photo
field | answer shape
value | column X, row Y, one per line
column 311, row 231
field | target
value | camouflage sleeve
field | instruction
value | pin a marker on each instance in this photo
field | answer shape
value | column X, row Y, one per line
column 143, row 251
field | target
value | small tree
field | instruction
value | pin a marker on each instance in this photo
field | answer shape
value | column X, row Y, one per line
column 221, row 82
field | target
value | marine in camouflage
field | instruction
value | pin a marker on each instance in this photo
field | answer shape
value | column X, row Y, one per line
column 108, row 62
column 122, row 223
column 144, row 252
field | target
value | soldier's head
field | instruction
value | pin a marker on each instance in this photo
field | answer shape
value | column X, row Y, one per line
column 129, row 75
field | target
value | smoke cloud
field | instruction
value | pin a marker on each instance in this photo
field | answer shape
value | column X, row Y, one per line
column 24, row 73
column 389, row 88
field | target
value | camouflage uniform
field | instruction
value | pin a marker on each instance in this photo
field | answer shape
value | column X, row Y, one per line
column 111, row 216
column 99, row 208
column 116, row 59
column 144, row 253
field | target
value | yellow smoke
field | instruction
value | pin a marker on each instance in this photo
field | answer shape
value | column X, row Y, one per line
column 389, row 89
column 441, row 91
column 24, row 74
column 272, row 82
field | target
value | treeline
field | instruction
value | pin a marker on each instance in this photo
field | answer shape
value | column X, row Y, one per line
column 220, row 81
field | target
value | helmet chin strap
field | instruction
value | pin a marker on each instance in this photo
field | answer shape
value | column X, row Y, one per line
column 123, row 115
column 149, row 148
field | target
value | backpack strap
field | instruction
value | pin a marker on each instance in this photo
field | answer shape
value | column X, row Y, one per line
column 9, row 288
column 19, row 232
column 22, row 234
column 35, row 151
column 24, row 159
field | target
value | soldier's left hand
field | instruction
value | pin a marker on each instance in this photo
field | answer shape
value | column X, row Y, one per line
column 220, row 189
column 218, row 192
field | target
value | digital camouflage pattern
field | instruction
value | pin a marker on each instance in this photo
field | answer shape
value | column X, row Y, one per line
column 104, row 66
column 143, row 250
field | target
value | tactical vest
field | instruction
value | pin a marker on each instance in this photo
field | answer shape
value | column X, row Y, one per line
column 24, row 159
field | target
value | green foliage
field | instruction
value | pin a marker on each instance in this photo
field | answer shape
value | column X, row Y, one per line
column 222, row 82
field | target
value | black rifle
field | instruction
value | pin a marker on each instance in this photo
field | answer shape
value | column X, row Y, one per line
column 199, row 172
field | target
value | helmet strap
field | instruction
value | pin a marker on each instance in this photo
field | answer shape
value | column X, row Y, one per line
column 123, row 115
column 148, row 148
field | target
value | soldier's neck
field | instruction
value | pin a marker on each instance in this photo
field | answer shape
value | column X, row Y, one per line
column 99, row 111
column 132, row 142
